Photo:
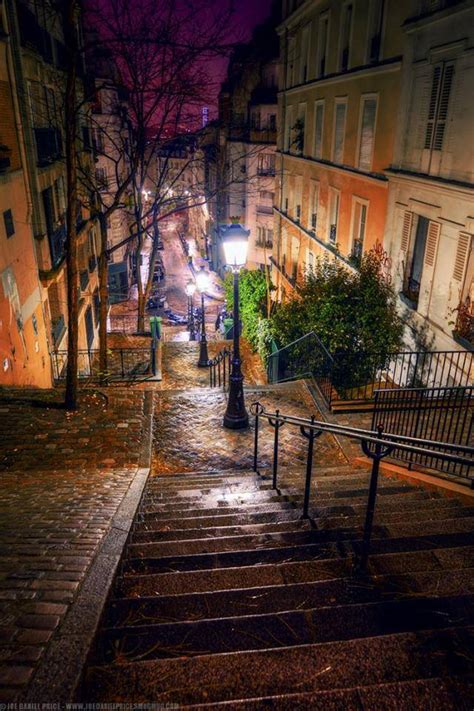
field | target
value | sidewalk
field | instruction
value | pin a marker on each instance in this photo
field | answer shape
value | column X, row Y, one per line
column 70, row 486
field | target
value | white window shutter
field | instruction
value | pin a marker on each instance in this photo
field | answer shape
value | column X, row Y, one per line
column 444, row 95
column 406, row 231
column 432, row 107
column 426, row 286
column 462, row 253
column 432, row 243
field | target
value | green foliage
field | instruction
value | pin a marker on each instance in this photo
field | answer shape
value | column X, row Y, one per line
column 352, row 313
column 253, row 299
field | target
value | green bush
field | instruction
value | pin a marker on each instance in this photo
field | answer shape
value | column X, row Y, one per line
column 353, row 313
column 253, row 301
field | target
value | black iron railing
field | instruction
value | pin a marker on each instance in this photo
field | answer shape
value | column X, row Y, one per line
column 438, row 414
column 352, row 376
column 219, row 369
column 122, row 364
column 376, row 444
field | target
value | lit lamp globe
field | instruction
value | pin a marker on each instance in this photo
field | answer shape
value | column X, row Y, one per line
column 202, row 280
column 235, row 240
column 190, row 288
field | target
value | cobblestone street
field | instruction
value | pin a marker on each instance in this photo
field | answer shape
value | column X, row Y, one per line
column 188, row 433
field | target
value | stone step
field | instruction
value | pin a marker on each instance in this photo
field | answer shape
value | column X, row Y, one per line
column 210, row 508
column 279, row 598
column 309, row 668
column 304, row 536
column 295, row 627
column 186, row 478
column 450, row 694
column 262, row 490
column 270, row 515
column 287, row 572
column 157, row 531
column 324, row 549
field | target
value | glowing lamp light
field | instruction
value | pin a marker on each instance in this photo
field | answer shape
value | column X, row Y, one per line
column 190, row 288
column 235, row 241
column 202, row 280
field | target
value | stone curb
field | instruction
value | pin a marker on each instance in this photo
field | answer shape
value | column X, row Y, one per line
column 59, row 673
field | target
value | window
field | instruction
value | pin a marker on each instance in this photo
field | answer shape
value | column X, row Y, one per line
column 304, row 54
column 346, row 28
column 298, row 194
column 272, row 122
column 318, row 129
column 367, row 133
column 9, row 224
column 310, row 261
column 101, row 179
column 266, row 164
column 359, row 220
column 289, row 121
column 313, row 211
column 333, row 214
column 290, row 67
column 463, row 278
column 438, row 108
column 323, row 44
column 299, row 129
column 339, row 131
column 419, row 254
column 375, row 26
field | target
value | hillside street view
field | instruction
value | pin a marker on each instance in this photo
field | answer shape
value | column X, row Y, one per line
column 236, row 349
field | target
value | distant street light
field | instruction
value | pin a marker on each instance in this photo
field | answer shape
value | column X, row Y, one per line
column 190, row 289
column 202, row 281
column 235, row 241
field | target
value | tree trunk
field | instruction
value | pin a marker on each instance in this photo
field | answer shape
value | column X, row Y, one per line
column 103, row 295
column 141, row 313
column 71, row 210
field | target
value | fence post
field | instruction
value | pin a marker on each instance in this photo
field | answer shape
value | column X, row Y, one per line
column 153, row 356
column 276, row 424
column 380, row 453
column 310, row 435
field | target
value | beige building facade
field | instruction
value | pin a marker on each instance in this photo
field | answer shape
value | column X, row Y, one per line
column 340, row 79
column 429, row 231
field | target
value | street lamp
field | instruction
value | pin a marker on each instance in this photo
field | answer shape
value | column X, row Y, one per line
column 190, row 289
column 235, row 242
column 202, row 281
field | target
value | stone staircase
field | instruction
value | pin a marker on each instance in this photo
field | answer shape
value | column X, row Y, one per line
column 225, row 598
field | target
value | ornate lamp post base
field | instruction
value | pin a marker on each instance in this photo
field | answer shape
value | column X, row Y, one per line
column 236, row 416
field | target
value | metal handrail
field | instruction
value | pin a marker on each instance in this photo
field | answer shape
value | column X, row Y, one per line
column 375, row 444
column 219, row 368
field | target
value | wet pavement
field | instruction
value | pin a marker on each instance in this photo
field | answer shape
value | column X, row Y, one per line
column 189, row 435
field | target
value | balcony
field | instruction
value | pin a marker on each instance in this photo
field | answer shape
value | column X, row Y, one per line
column 263, row 135
column 48, row 146
column 84, row 279
column 58, row 329
column 57, row 245
column 357, row 251
column 410, row 293
column 333, row 233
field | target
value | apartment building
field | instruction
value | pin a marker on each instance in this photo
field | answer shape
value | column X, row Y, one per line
column 37, row 61
column 111, row 141
column 247, row 142
column 24, row 327
column 339, row 94
column 429, row 232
